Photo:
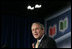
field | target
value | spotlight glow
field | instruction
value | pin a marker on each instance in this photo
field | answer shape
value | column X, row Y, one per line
column 31, row 8
column 38, row 6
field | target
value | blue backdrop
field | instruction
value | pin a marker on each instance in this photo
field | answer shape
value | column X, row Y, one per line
column 56, row 21
column 59, row 28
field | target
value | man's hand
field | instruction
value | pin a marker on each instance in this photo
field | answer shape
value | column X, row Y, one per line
column 33, row 45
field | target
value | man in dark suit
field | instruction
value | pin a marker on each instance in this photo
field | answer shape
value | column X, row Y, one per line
column 43, row 41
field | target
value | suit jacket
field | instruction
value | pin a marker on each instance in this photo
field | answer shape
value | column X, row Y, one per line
column 47, row 42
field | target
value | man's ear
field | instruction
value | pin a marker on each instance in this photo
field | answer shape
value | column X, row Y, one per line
column 43, row 31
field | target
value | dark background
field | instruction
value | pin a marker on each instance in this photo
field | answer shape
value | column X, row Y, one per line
column 16, row 20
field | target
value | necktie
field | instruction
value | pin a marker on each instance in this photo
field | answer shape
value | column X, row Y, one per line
column 37, row 44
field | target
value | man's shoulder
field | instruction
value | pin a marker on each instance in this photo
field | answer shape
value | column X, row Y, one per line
column 48, row 39
column 50, row 42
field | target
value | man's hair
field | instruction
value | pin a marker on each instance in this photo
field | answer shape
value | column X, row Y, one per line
column 41, row 25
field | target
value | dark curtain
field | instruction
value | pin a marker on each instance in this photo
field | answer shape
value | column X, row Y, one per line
column 16, row 31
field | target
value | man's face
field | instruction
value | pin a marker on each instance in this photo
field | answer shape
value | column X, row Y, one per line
column 37, row 31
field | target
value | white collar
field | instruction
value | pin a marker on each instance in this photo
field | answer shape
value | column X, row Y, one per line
column 41, row 39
